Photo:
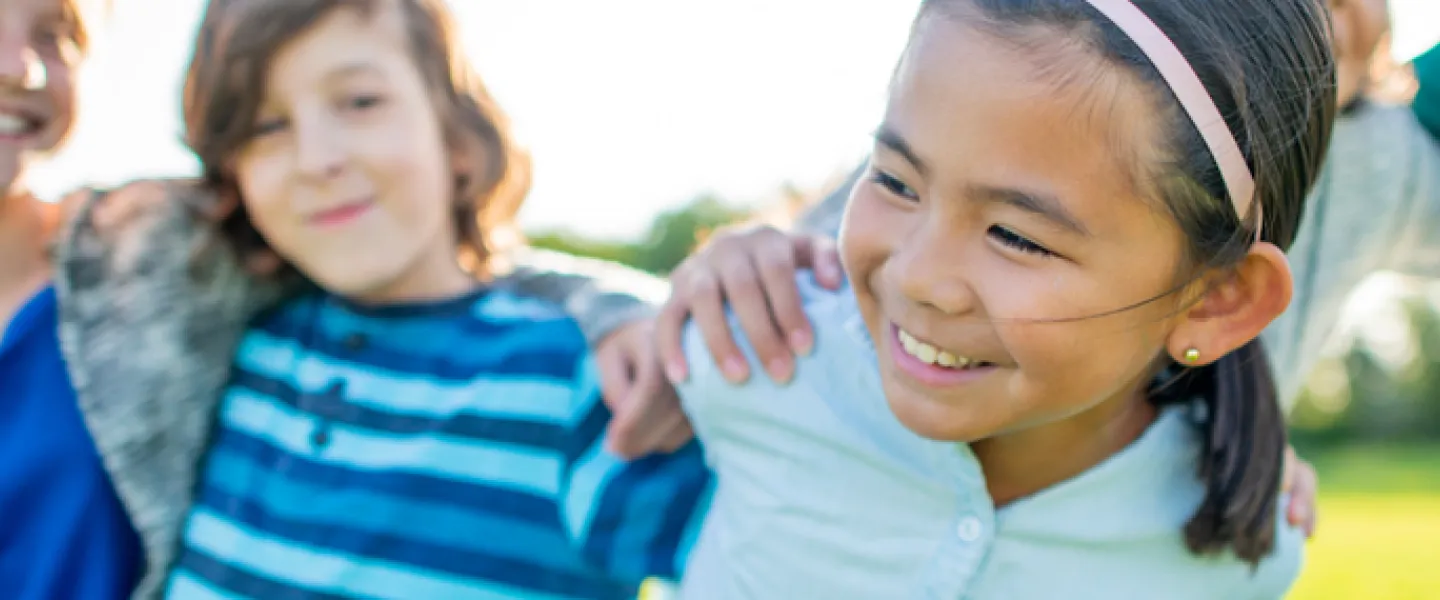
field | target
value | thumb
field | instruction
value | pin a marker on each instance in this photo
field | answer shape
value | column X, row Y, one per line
column 615, row 376
column 632, row 431
column 820, row 254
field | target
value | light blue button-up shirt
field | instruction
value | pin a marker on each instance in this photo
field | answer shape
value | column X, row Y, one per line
column 823, row 494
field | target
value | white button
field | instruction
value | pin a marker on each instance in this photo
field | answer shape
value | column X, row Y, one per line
column 969, row 529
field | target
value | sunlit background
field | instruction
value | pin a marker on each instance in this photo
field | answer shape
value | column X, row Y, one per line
column 633, row 108
column 629, row 106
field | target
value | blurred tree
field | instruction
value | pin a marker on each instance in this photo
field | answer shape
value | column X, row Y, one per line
column 672, row 236
column 1384, row 387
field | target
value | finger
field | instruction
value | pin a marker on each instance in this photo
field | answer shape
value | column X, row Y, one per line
column 776, row 263
column 740, row 278
column 1302, row 512
column 615, row 374
column 820, row 254
column 669, row 339
column 707, row 310
column 130, row 201
column 631, row 432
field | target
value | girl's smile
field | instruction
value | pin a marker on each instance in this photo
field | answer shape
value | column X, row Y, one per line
column 931, row 365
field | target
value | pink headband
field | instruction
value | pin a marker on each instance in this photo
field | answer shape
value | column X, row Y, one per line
column 1192, row 95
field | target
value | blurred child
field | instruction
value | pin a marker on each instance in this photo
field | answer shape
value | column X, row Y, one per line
column 64, row 532
column 351, row 141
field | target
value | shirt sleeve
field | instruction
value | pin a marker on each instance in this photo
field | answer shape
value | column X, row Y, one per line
column 632, row 519
column 599, row 295
column 1416, row 249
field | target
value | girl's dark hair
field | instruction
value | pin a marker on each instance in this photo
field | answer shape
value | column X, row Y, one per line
column 1268, row 66
column 226, row 77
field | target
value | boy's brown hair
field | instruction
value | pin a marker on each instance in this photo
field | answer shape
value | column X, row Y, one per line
column 233, row 49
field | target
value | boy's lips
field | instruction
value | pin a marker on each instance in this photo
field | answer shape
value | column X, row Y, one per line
column 342, row 214
column 923, row 362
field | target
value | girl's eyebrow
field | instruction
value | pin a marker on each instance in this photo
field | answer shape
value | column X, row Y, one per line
column 1043, row 205
column 887, row 137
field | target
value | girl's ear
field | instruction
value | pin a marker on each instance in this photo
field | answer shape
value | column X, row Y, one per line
column 1235, row 309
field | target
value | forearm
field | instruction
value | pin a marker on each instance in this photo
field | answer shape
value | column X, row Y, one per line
column 599, row 295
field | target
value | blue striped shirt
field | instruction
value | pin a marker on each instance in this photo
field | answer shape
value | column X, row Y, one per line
column 441, row 450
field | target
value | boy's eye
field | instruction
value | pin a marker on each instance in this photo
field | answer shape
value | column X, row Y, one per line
column 1017, row 241
column 893, row 185
column 363, row 101
column 266, row 127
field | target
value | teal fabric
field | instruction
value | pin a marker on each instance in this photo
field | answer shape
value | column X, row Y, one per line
column 823, row 494
column 1427, row 99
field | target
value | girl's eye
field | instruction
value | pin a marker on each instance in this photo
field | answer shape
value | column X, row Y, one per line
column 893, row 185
column 1017, row 241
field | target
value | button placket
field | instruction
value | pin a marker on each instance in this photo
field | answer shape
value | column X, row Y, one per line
column 320, row 437
column 966, row 542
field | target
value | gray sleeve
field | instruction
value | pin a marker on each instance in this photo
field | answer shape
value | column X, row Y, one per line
column 1416, row 249
column 824, row 218
column 1375, row 207
column 599, row 295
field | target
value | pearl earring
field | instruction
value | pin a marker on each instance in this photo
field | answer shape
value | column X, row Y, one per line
column 1192, row 356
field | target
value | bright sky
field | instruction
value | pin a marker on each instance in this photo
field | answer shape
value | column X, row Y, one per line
column 628, row 106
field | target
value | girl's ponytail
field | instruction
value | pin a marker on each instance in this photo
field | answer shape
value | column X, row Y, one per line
column 1243, row 453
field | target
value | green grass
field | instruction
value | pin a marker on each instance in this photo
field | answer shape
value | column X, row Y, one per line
column 1379, row 527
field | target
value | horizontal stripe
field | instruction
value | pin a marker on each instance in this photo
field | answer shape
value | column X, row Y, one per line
column 475, row 461
column 237, row 582
column 186, row 586
column 407, row 552
column 338, row 407
column 538, row 510
column 549, row 399
column 341, row 574
column 443, row 349
column 473, row 528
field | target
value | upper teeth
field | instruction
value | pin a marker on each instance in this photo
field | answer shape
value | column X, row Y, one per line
column 930, row 354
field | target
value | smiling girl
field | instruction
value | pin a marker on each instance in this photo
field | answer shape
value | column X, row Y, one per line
column 1067, row 241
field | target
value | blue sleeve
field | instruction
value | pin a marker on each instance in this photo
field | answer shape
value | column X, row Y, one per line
column 633, row 519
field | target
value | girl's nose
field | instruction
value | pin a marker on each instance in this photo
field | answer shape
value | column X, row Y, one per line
column 929, row 272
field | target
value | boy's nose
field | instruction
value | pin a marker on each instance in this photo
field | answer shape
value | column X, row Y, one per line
column 318, row 155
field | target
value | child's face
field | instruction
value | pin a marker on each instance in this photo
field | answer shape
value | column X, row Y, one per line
column 1001, row 194
column 37, row 91
column 348, row 176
